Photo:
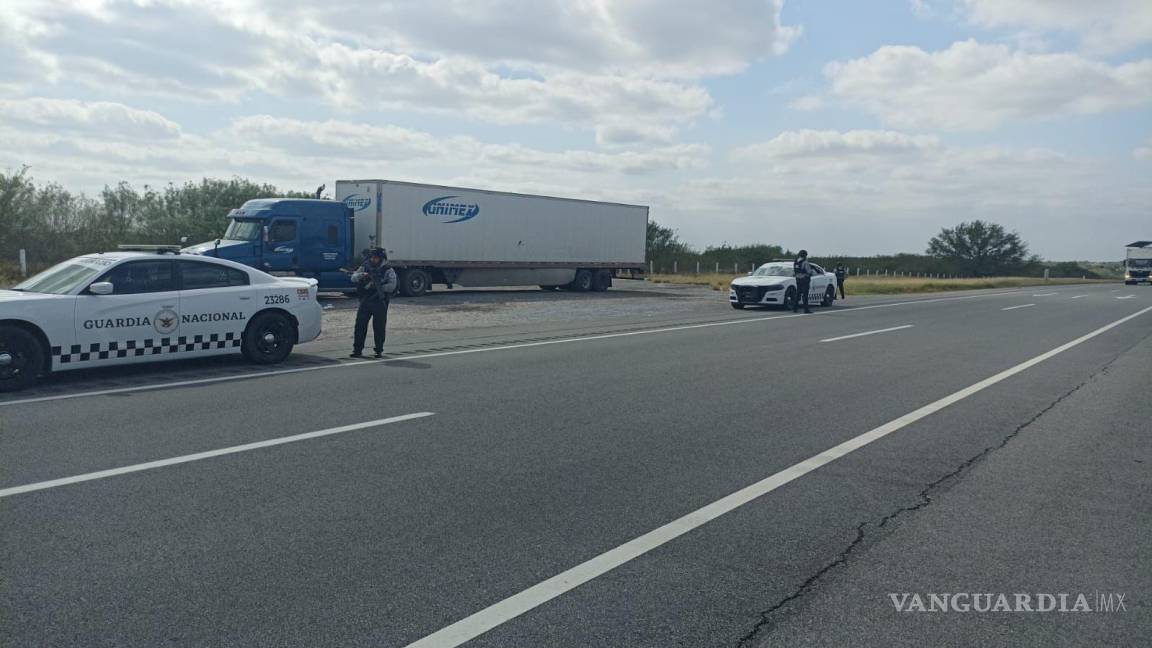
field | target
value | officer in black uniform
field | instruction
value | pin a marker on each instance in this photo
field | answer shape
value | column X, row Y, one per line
column 841, row 274
column 802, row 270
column 375, row 282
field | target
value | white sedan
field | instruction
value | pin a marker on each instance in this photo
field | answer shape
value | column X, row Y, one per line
column 773, row 284
column 150, row 304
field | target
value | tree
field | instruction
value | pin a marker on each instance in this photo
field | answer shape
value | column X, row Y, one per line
column 980, row 248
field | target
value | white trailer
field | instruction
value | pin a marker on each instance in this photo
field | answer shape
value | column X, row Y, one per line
column 473, row 237
column 1138, row 263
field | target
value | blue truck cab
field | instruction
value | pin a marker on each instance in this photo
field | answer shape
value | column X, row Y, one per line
column 298, row 237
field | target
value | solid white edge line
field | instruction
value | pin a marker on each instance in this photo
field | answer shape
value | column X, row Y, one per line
column 1015, row 307
column 856, row 335
column 1126, row 297
column 160, row 463
column 503, row 611
column 345, row 365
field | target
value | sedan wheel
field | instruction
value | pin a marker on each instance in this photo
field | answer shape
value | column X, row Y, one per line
column 21, row 358
column 269, row 338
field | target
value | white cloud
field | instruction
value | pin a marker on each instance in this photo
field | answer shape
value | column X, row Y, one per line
column 825, row 144
column 871, row 191
column 974, row 86
column 687, row 38
column 112, row 120
column 391, row 144
column 597, row 65
column 1103, row 25
column 1143, row 152
column 807, row 103
column 89, row 145
column 366, row 78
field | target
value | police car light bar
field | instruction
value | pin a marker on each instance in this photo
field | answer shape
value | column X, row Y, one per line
column 158, row 249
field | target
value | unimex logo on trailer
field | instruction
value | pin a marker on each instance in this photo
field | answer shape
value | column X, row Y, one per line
column 358, row 202
column 448, row 207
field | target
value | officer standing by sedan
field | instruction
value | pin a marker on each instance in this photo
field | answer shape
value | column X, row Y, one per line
column 376, row 282
column 802, row 271
column 841, row 274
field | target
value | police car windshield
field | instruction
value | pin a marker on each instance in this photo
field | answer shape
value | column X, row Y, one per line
column 1140, row 263
column 60, row 279
column 773, row 271
column 243, row 230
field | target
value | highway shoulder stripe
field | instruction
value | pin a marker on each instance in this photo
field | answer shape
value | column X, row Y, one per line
column 124, row 470
column 856, row 335
column 503, row 611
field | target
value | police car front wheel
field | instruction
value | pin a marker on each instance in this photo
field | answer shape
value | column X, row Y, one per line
column 21, row 358
column 269, row 338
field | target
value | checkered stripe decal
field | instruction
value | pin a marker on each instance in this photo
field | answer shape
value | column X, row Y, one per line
column 150, row 346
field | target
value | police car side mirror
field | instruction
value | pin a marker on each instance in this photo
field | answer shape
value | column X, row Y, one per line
column 101, row 288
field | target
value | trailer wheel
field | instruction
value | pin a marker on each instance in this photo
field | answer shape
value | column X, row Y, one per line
column 601, row 280
column 21, row 358
column 414, row 282
column 582, row 282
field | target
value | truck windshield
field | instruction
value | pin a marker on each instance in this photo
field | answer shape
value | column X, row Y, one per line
column 1140, row 263
column 243, row 230
column 60, row 279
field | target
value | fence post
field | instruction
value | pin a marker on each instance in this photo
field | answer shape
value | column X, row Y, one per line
column 23, row 263
column 676, row 266
column 651, row 267
column 717, row 267
column 697, row 267
column 735, row 267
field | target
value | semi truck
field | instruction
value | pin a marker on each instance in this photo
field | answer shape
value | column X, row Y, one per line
column 1138, row 263
column 435, row 234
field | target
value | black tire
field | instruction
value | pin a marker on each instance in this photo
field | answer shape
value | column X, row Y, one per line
column 23, row 358
column 269, row 338
column 601, row 280
column 737, row 306
column 829, row 296
column 790, row 298
column 414, row 282
column 582, row 282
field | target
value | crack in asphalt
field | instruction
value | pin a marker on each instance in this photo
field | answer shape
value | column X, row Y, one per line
column 763, row 626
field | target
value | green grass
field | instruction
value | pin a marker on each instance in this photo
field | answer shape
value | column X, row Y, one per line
column 9, row 276
column 886, row 285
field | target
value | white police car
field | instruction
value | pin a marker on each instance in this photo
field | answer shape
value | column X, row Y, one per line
column 149, row 303
column 773, row 284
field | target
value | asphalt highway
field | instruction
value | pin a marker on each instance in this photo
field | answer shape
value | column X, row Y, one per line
column 724, row 478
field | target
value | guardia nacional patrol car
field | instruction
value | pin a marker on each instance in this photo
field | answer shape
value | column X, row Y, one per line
column 148, row 303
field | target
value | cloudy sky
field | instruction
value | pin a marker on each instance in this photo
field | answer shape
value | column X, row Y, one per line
column 840, row 126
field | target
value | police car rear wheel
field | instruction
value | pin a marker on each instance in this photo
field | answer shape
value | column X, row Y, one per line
column 269, row 338
column 21, row 358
